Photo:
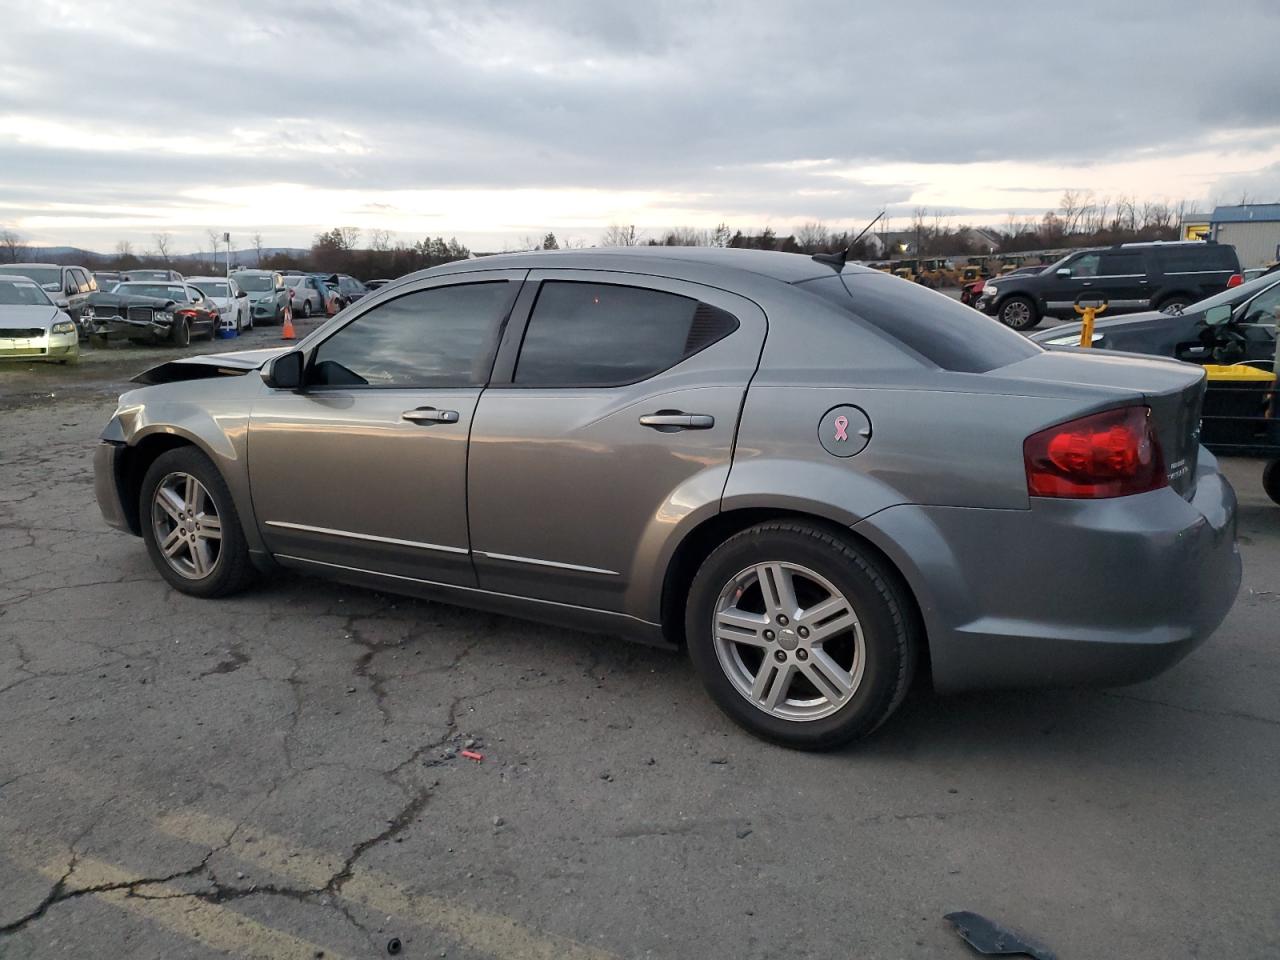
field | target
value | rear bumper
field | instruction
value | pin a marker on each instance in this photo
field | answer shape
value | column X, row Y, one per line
column 1068, row 593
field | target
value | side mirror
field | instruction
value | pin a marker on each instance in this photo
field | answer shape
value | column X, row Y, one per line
column 1064, row 271
column 241, row 294
column 284, row 372
column 62, row 303
column 1217, row 316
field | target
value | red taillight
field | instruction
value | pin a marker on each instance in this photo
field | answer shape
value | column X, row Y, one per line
column 1235, row 281
column 185, row 313
column 1111, row 454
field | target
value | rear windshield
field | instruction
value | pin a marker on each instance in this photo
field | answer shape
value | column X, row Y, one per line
column 942, row 330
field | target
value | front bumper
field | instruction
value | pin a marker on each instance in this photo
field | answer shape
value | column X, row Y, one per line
column 268, row 310
column 1069, row 592
column 108, row 476
column 118, row 328
column 48, row 346
column 986, row 304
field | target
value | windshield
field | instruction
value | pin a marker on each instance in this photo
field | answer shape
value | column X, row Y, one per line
column 212, row 288
column 22, row 293
column 42, row 275
column 255, row 283
column 149, row 275
column 165, row 291
column 939, row 329
column 293, row 281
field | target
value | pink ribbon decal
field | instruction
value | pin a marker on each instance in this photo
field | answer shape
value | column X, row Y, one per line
column 842, row 424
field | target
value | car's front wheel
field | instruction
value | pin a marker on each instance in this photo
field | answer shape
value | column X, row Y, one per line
column 181, row 333
column 191, row 527
column 1019, row 313
column 800, row 636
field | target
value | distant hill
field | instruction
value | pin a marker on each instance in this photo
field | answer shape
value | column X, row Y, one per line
column 73, row 255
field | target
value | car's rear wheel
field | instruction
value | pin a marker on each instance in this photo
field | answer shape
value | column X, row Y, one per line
column 800, row 636
column 181, row 333
column 191, row 527
column 306, row 308
column 1271, row 480
column 1175, row 305
column 1019, row 313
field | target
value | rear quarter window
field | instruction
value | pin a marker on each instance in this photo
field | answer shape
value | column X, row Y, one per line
column 942, row 331
column 1210, row 256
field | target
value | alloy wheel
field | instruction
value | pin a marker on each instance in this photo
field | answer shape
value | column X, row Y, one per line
column 1016, row 314
column 186, row 524
column 789, row 641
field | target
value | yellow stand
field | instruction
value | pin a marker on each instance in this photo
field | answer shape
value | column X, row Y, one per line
column 1086, row 330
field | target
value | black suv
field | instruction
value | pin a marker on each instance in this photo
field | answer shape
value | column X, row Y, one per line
column 1129, row 276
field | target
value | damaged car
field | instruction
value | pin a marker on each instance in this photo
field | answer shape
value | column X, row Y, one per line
column 814, row 478
column 151, row 312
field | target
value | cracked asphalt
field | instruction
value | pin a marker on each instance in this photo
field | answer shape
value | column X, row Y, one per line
column 281, row 774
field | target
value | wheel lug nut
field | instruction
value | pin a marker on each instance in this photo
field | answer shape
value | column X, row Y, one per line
column 782, row 621
column 803, row 631
column 802, row 654
column 780, row 656
column 769, row 634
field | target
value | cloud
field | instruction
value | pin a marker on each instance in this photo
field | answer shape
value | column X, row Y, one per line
column 753, row 111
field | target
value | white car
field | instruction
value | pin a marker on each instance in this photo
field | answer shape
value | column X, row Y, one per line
column 32, row 327
column 226, row 295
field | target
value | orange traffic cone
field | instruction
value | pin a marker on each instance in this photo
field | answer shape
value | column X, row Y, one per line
column 287, row 333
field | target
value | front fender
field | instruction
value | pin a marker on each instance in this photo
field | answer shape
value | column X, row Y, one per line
column 212, row 416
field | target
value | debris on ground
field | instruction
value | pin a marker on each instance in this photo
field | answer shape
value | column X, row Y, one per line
column 990, row 939
column 393, row 946
column 472, row 755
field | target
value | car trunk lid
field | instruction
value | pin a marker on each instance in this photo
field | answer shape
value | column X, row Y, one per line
column 1174, row 391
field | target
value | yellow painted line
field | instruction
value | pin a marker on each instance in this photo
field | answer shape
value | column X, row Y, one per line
column 207, row 923
column 489, row 933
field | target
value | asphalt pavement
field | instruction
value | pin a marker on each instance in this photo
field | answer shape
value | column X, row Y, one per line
column 281, row 774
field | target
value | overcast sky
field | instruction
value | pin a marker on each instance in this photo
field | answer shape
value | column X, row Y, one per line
column 492, row 120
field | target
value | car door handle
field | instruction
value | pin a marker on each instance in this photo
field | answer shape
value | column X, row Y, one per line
column 430, row 415
column 681, row 421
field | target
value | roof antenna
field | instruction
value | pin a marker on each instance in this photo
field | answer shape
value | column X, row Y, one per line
column 838, row 259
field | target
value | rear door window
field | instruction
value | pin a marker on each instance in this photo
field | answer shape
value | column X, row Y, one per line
column 1122, row 263
column 604, row 335
column 940, row 330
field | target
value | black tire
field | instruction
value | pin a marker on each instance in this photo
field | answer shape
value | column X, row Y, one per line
column 306, row 308
column 181, row 333
column 1175, row 305
column 1019, row 313
column 233, row 570
column 877, row 598
column 248, row 320
column 1271, row 480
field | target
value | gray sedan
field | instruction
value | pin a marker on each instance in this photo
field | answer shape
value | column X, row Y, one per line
column 818, row 479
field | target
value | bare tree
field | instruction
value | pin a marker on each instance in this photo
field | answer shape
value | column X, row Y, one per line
column 124, row 249
column 812, row 237
column 380, row 240
column 720, row 235
column 11, row 243
column 162, row 241
column 257, row 247
column 616, row 235
column 350, row 237
column 215, row 238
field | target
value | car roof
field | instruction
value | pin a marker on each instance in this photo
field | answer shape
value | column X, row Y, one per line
column 234, row 272
column 10, row 277
column 10, row 266
column 784, row 267
column 209, row 279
